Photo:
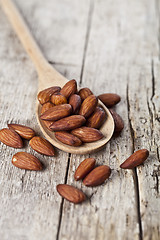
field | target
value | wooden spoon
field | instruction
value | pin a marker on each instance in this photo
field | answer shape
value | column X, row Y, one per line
column 48, row 77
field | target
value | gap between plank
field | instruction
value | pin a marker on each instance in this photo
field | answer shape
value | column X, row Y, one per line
column 91, row 7
column 135, row 176
column 62, row 202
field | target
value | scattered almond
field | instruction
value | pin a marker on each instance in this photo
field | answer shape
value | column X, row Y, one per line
column 58, row 99
column 10, row 138
column 109, row 99
column 69, row 88
column 75, row 102
column 97, row 118
column 23, row 131
column 71, row 193
column 42, row 146
column 45, row 95
column 97, row 176
column 119, row 125
column 84, row 168
column 68, row 138
column 26, row 161
column 88, row 106
column 84, row 93
column 136, row 159
column 57, row 112
column 68, row 123
column 87, row 134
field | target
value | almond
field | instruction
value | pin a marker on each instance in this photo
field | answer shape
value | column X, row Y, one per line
column 88, row 106
column 45, row 95
column 23, row 131
column 84, row 93
column 71, row 193
column 42, row 146
column 10, row 138
column 109, row 99
column 97, row 176
column 57, row 112
column 69, row 88
column 58, row 99
column 136, row 159
column 26, row 161
column 75, row 102
column 118, row 122
column 44, row 108
column 96, row 119
column 68, row 138
column 84, row 168
column 87, row 134
column 68, row 123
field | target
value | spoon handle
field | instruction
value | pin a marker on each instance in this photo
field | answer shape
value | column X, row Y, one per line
column 24, row 34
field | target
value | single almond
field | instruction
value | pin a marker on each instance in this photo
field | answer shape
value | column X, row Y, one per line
column 136, row 159
column 97, row 118
column 45, row 95
column 42, row 146
column 84, row 168
column 75, row 102
column 97, row 176
column 68, row 123
column 88, row 106
column 57, row 112
column 68, row 138
column 44, row 108
column 58, row 99
column 84, row 93
column 69, row 88
column 71, row 193
column 109, row 99
column 87, row 134
column 10, row 138
column 23, row 131
column 118, row 122
column 26, row 161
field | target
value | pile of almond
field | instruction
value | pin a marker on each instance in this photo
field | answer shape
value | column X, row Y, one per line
column 75, row 116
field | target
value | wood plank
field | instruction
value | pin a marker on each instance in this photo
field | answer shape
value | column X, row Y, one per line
column 29, row 208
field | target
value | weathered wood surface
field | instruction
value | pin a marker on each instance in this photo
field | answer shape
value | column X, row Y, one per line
column 109, row 46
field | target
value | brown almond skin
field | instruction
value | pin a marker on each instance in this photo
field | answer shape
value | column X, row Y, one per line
column 97, row 176
column 75, row 102
column 10, row 138
column 45, row 95
column 57, row 112
column 84, row 93
column 44, row 108
column 118, row 122
column 136, row 159
column 68, row 123
column 71, row 193
column 26, row 161
column 84, row 168
column 96, row 119
column 23, row 131
column 69, row 88
column 58, row 99
column 68, row 138
column 87, row 134
column 109, row 99
column 42, row 146
column 88, row 106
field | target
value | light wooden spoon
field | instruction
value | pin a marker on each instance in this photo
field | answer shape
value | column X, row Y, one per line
column 48, row 77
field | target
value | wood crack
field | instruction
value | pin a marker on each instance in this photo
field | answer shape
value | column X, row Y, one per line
column 135, row 176
column 91, row 7
column 62, row 64
column 62, row 201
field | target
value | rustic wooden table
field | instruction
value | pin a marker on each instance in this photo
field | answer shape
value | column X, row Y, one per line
column 108, row 46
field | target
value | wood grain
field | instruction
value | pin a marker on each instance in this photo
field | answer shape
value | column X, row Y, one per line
column 109, row 47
